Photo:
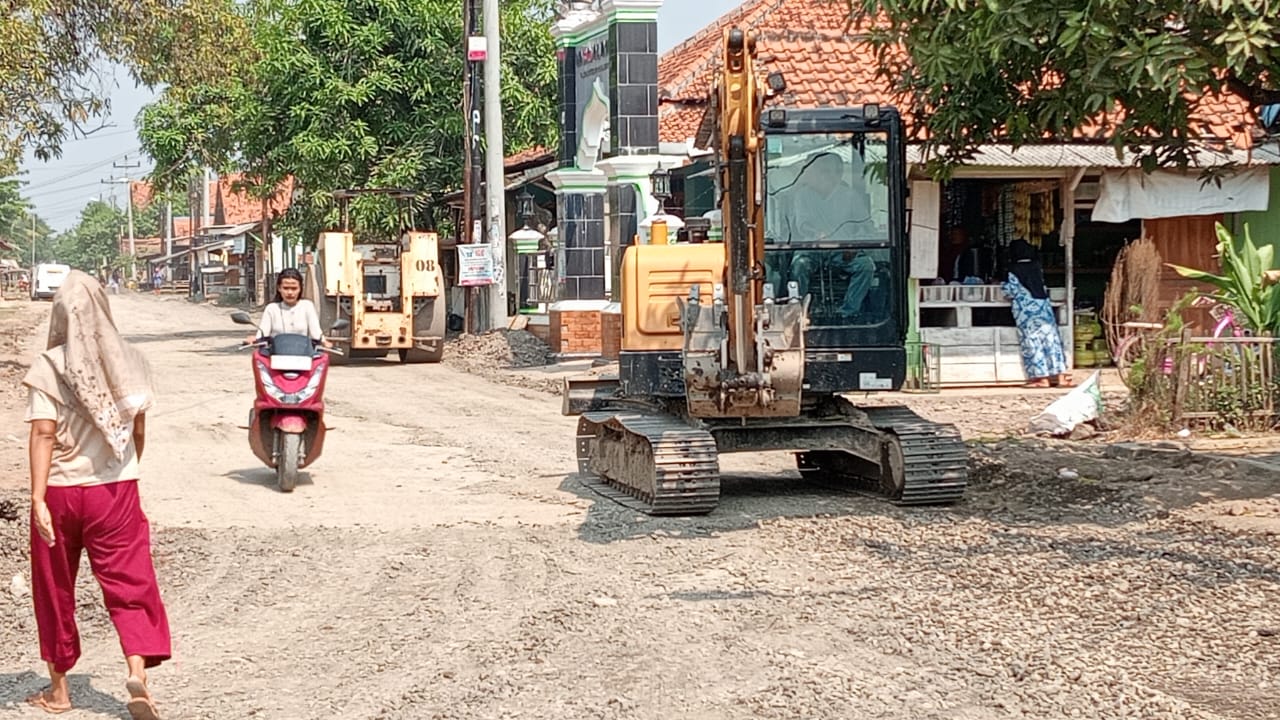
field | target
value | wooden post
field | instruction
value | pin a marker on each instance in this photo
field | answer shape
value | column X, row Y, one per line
column 1182, row 374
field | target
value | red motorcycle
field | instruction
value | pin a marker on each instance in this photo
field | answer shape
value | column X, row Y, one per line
column 286, row 425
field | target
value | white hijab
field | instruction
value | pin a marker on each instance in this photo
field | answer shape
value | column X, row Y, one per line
column 88, row 367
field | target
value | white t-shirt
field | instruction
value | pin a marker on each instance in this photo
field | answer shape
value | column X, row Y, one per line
column 81, row 455
column 300, row 319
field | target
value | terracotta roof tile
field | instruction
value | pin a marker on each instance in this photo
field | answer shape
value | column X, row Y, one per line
column 534, row 155
column 234, row 206
column 827, row 64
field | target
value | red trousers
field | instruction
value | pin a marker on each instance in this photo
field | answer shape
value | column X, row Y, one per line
column 107, row 521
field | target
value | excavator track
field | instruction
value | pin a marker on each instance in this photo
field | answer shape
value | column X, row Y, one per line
column 928, row 463
column 656, row 464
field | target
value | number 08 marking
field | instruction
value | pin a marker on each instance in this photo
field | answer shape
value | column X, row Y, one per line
column 425, row 265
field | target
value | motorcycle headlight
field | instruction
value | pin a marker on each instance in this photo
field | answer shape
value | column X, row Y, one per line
column 270, row 387
column 312, row 385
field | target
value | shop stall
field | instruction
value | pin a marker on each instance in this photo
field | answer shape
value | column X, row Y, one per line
column 962, row 311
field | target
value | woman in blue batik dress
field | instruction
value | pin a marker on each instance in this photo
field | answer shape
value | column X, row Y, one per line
column 1043, row 357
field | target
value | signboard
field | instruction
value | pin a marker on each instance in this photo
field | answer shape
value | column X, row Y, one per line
column 591, row 92
column 477, row 49
column 475, row 264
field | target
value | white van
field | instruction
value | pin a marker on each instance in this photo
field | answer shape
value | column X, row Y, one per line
column 49, row 277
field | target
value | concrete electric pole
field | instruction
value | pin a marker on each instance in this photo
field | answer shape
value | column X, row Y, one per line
column 495, row 174
column 473, row 161
column 128, row 200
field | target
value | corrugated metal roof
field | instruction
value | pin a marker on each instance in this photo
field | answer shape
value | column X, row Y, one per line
column 1083, row 156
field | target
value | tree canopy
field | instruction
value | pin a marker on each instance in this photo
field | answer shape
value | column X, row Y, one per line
column 352, row 93
column 53, row 53
column 95, row 240
column 17, row 220
column 1018, row 71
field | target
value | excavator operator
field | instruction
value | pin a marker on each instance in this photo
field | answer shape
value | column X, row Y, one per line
column 826, row 209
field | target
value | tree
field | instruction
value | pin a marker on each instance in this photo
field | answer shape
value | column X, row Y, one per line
column 351, row 93
column 52, row 52
column 16, row 224
column 95, row 240
column 1020, row 71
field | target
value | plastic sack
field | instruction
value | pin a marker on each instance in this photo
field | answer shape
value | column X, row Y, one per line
column 1082, row 404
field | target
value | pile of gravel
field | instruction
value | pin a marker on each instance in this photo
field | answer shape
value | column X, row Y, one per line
column 499, row 349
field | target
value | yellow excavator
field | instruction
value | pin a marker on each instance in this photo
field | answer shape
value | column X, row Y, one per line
column 750, row 344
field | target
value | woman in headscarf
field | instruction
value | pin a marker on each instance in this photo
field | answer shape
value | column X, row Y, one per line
column 1043, row 356
column 88, row 395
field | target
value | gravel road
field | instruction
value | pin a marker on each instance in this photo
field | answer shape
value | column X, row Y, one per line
column 441, row 561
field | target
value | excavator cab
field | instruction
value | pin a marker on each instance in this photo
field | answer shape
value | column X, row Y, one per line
column 835, row 226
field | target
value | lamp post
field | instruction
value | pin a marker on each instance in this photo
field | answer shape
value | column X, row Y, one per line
column 660, row 224
column 527, row 242
column 524, row 206
column 661, row 181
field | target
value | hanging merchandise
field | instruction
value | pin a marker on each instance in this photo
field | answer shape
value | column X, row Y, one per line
column 1046, row 216
column 1005, row 218
column 1021, row 214
column 1038, row 209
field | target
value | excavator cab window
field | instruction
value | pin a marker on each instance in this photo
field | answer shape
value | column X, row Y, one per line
column 827, row 224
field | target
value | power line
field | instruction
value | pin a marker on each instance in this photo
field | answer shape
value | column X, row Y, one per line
column 130, row 131
column 79, row 171
column 59, row 191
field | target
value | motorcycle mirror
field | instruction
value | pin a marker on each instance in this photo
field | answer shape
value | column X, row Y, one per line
column 241, row 318
column 341, row 324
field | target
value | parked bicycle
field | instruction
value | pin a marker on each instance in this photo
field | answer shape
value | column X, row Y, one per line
column 1136, row 337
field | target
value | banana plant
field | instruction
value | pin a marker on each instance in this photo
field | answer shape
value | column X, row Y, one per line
column 1242, row 284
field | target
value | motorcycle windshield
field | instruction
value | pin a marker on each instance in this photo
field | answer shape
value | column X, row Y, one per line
column 293, row 345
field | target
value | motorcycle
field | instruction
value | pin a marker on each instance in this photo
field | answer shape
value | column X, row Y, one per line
column 286, row 424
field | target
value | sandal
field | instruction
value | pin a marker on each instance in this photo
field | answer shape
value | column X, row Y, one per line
column 140, row 705
column 42, row 701
column 1041, row 384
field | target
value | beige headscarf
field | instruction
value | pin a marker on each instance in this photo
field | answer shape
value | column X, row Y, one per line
column 88, row 367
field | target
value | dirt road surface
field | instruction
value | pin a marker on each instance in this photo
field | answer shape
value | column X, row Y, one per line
column 441, row 561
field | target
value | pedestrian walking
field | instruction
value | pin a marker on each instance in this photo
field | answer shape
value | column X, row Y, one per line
column 88, row 395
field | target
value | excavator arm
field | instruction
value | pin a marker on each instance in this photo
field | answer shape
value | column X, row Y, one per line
column 743, row 352
column 738, row 105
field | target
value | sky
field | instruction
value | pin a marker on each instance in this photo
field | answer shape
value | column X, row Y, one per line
column 62, row 187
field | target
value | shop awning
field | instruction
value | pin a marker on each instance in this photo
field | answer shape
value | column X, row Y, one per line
column 1087, row 156
column 170, row 256
column 1132, row 194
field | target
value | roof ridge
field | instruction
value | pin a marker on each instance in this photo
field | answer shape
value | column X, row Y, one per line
column 762, row 9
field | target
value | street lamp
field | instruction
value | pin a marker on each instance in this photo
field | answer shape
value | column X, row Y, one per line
column 661, row 227
column 524, row 206
column 661, row 181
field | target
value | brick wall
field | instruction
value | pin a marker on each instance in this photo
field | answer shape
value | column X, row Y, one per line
column 610, row 334
column 575, row 332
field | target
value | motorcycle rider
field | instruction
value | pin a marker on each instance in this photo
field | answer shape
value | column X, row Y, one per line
column 289, row 312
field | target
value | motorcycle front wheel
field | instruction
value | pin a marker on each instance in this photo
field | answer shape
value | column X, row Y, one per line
column 287, row 461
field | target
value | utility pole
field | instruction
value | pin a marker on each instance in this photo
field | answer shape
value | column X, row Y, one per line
column 168, row 236
column 204, row 192
column 471, row 213
column 128, row 183
column 495, row 173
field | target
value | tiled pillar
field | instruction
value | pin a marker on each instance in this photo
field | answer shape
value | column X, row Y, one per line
column 575, row 317
column 633, row 75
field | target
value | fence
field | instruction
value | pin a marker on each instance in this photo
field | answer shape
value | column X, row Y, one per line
column 1222, row 379
column 924, row 368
